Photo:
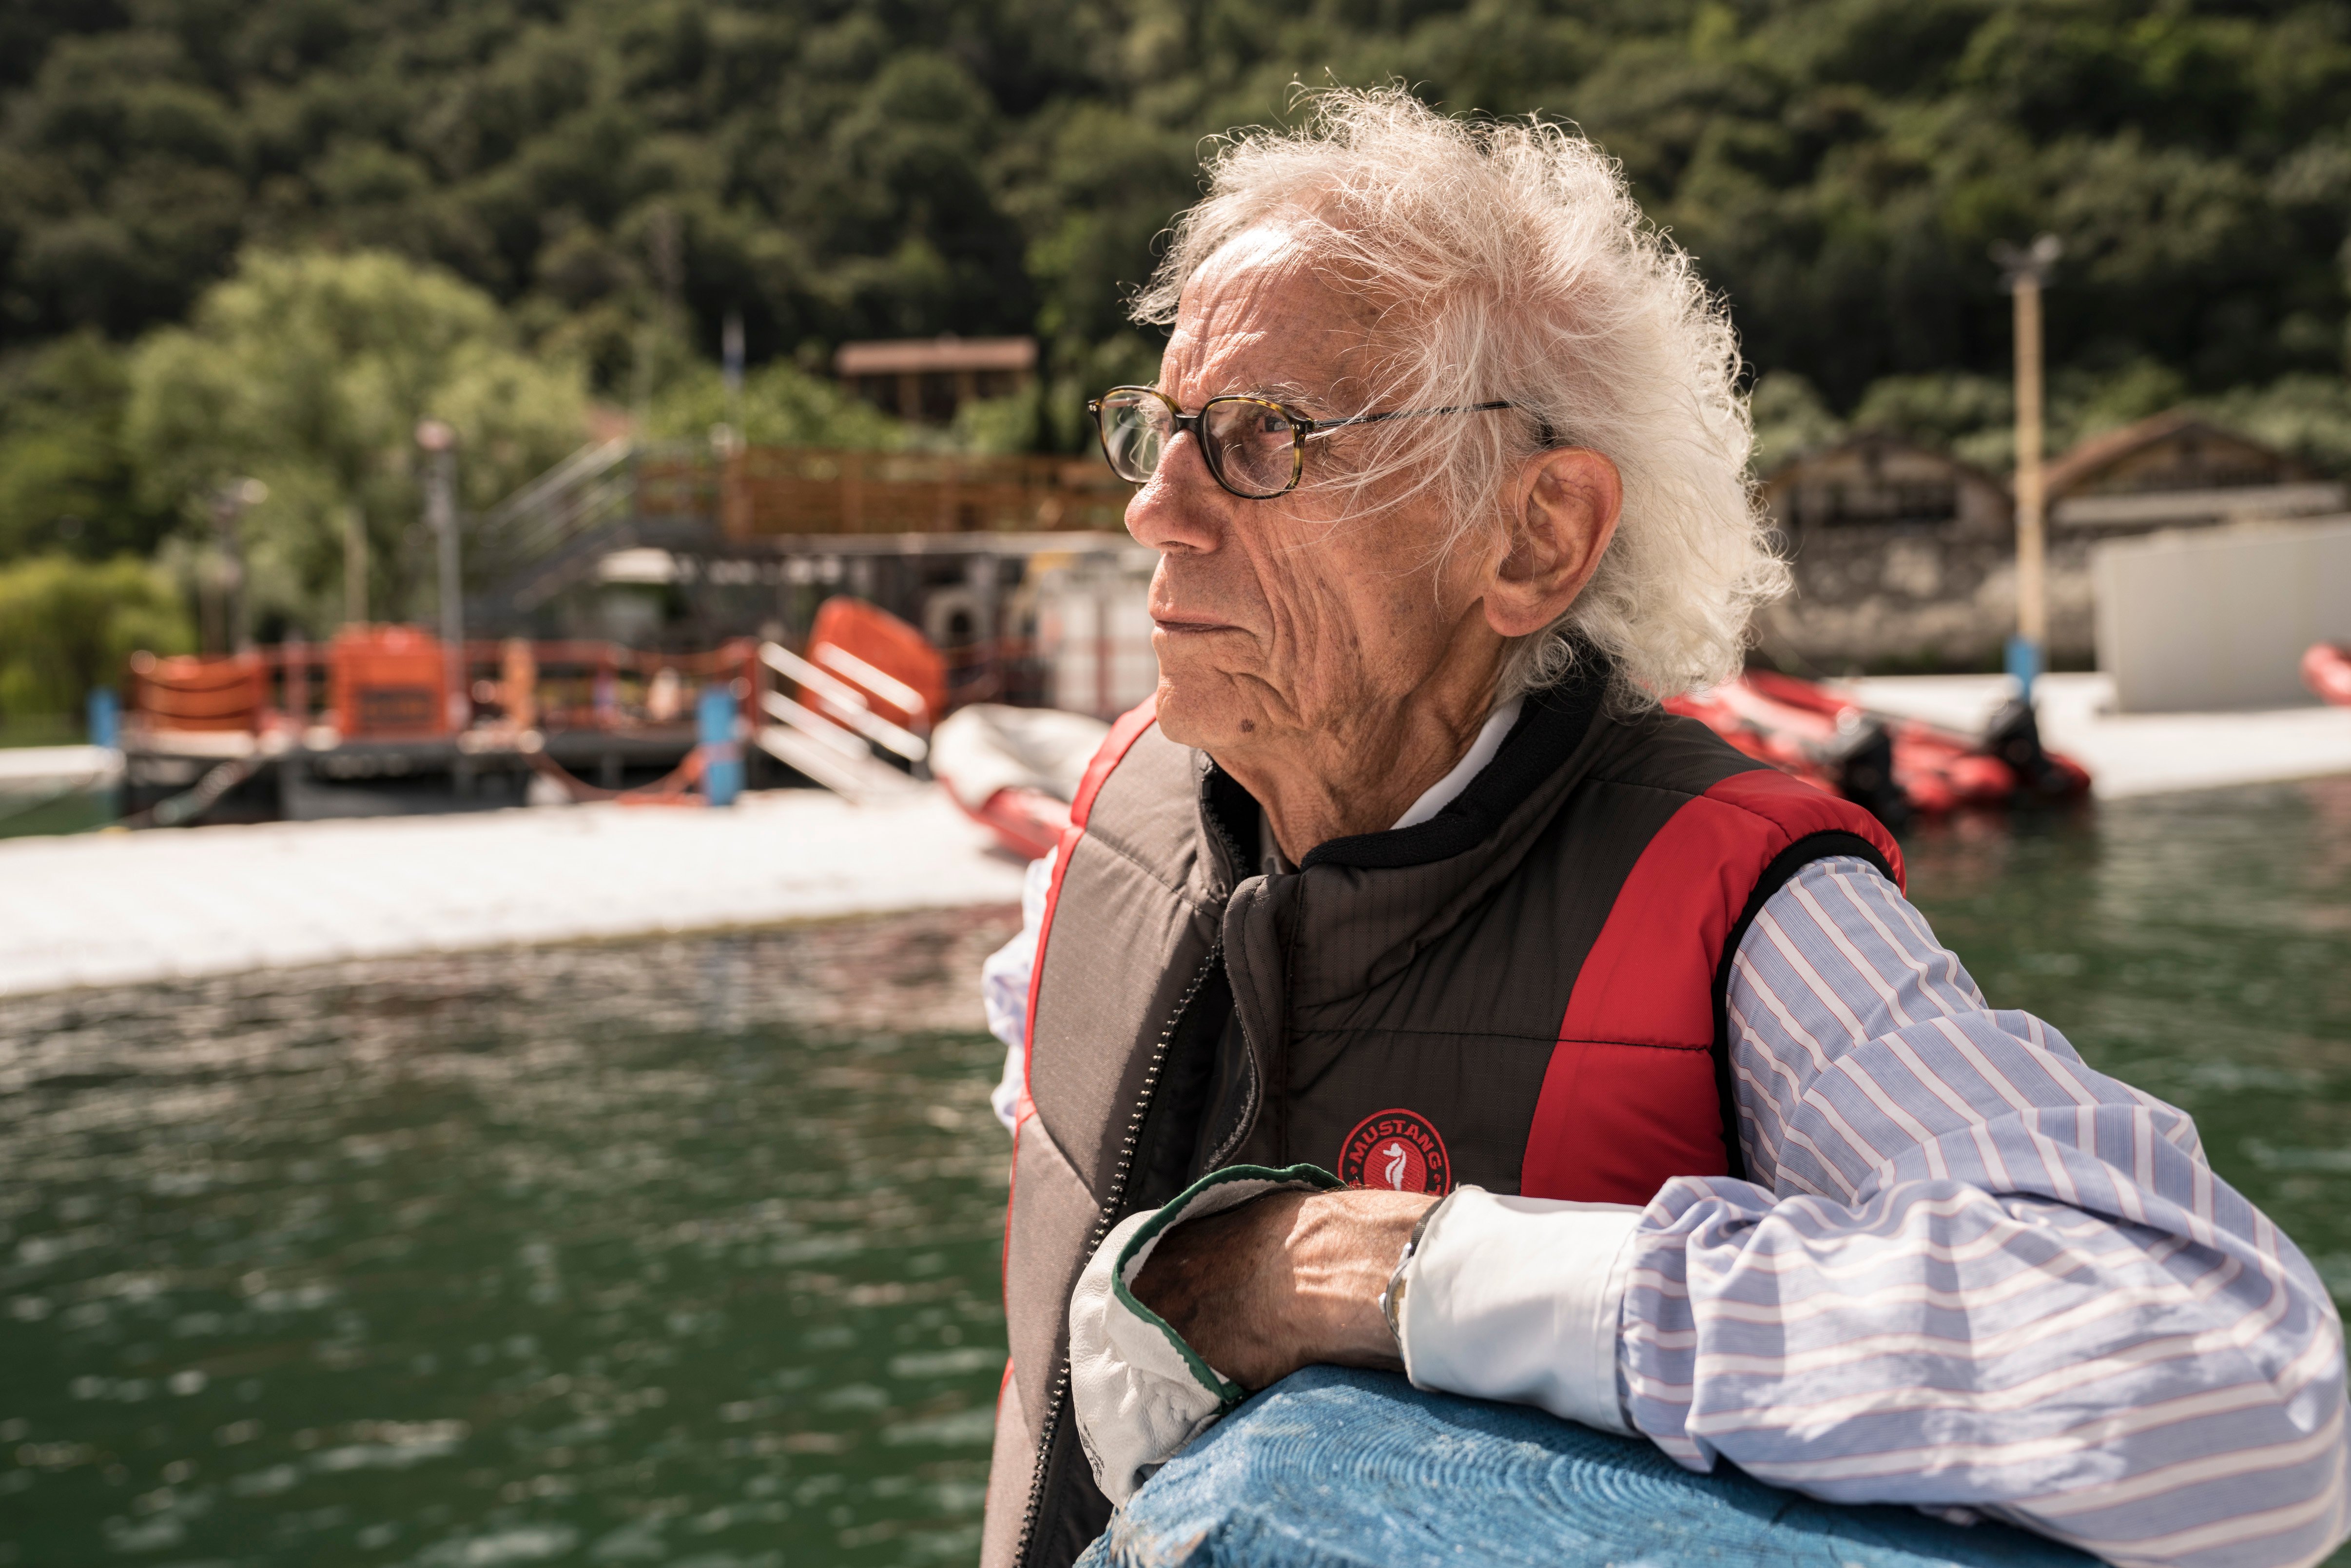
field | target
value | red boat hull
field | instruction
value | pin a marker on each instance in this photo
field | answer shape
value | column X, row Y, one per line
column 2326, row 671
column 1897, row 767
column 1028, row 823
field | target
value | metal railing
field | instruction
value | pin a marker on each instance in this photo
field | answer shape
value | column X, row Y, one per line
column 555, row 530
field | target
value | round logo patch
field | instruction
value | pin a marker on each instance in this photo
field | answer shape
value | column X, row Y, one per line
column 1398, row 1151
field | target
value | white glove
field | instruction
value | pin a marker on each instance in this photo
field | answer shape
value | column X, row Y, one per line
column 1138, row 1391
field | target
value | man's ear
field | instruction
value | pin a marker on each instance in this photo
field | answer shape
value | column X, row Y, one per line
column 1560, row 512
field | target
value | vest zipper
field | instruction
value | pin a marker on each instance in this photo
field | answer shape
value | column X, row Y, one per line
column 1057, row 1403
column 1247, row 1122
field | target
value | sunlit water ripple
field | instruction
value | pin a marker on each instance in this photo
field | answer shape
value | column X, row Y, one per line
column 680, row 1252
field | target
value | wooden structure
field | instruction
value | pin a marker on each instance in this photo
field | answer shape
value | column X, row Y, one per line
column 925, row 380
column 357, row 727
column 1893, row 546
column 1875, row 480
column 791, row 490
column 2180, row 470
column 1906, row 557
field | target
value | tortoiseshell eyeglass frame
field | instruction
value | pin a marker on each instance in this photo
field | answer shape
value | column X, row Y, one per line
column 1301, row 428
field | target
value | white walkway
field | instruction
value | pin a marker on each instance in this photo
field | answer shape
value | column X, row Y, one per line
column 115, row 907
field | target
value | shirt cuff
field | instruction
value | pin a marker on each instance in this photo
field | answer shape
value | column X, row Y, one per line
column 1518, row 1299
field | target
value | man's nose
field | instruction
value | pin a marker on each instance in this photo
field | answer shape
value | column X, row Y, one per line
column 1181, row 507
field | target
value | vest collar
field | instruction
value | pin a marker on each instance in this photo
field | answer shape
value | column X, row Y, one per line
column 1551, row 724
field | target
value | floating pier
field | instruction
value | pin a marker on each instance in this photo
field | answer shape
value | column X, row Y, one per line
column 120, row 908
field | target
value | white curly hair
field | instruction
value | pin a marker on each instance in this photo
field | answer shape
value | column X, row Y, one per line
column 1514, row 264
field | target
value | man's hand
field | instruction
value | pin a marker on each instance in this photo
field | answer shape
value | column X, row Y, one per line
column 1283, row 1282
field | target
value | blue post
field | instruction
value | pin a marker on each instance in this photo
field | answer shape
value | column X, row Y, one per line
column 105, row 718
column 722, row 753
column 106, row 730
column 2024, row 663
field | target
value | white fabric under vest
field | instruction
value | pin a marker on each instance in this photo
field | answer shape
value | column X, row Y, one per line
column 1138, row 1391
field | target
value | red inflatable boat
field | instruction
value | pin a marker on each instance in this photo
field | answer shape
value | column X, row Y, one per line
column 1015, row 769
column 1898, row 767
column 2326, row 670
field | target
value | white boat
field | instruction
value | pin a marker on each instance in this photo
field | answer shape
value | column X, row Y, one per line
column 1015, row 769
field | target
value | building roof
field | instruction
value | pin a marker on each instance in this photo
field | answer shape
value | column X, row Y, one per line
column 946, row 353
column 2091, row 457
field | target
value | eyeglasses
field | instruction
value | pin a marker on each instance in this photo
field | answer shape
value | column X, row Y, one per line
column 1254, row 447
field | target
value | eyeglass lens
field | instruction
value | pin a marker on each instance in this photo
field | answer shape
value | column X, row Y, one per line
column 1251, row 445
column 1134, row 430
column 1256, row 446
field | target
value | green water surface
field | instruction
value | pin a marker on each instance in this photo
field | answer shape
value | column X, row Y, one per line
column 686, row 1252
column 682, row 1252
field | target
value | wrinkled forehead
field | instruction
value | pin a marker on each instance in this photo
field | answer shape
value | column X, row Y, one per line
column 1260, row 316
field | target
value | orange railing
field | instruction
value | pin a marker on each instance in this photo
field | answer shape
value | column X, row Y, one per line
column 391, row 683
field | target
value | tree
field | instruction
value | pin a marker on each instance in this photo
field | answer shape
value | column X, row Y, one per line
column 309, row 372
column 67, row 478
column 621, row 175
column 782, row 405
column 67, row 625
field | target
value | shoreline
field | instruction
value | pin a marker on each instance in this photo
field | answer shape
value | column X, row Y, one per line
column 124, row 908
column 109, row 909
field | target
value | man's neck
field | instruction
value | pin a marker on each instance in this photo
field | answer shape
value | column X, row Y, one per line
column 1335, row 783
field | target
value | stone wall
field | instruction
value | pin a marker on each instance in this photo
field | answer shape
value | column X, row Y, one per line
column 1902, row 596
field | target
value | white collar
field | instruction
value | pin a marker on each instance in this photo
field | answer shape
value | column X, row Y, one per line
column 1440, row 795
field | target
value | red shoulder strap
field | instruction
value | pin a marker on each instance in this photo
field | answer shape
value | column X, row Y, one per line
column 1631, row 1097
column 1107, row 757
column 1800, row 809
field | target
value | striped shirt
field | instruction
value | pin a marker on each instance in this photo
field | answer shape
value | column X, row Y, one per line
column 1966, row 1272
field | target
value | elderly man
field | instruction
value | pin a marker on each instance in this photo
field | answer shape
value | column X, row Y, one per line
column 1654, row 1103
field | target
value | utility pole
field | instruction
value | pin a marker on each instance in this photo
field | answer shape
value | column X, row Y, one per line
column 439, row 443
column 730, row 360
column 229, row 504
column 2026, row 273
column 355, row 565
column 727, row 438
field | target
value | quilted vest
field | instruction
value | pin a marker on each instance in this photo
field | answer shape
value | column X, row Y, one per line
column 1525, row 992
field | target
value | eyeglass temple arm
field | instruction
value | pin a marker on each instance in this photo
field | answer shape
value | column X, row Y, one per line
column 1312, row 428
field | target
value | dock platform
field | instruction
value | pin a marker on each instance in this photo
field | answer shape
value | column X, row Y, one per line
column 112, row 908
column 115, row 908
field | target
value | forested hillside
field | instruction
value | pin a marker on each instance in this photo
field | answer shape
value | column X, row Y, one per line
column 616, row 175
column 863, row 170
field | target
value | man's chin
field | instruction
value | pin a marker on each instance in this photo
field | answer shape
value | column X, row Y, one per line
column 1202, row 712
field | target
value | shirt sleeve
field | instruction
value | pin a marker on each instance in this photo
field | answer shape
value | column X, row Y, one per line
column 1518, row 1299
column 1004, row 990
column 1970, row 1274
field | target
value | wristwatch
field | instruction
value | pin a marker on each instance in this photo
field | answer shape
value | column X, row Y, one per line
column 1392, row 1298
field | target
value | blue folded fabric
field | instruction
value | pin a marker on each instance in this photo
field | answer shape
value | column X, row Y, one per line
column 1336, row 1468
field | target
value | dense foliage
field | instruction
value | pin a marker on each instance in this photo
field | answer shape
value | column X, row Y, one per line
column 852, row 169
column 68, row 624
column 310, row 373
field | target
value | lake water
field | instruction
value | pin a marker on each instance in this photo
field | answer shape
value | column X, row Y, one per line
column 686, row 1251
